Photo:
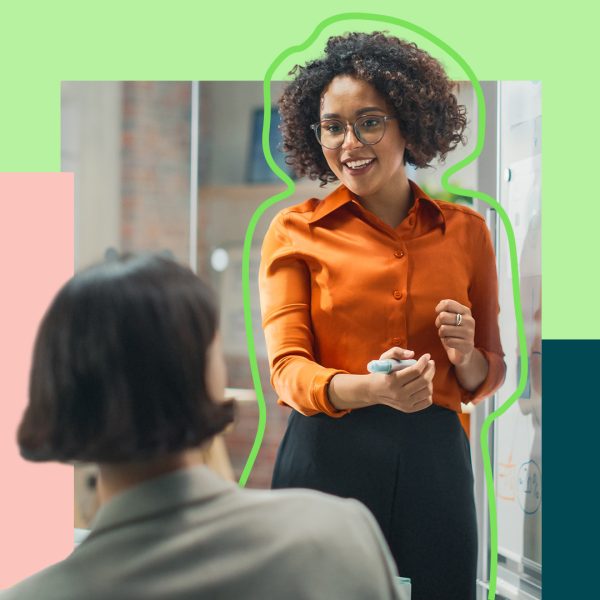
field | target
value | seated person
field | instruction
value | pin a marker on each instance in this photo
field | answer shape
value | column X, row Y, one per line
column 127, row 373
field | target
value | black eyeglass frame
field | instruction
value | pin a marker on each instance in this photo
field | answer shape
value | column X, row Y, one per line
column 315, row 128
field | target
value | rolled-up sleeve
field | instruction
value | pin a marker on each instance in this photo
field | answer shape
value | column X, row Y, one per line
column 485, row 310
column 285, row 297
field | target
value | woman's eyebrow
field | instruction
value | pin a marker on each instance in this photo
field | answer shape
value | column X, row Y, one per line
column 360, row 111
column 368, row 109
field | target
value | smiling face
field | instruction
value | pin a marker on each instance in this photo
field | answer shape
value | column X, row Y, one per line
column 370, row 171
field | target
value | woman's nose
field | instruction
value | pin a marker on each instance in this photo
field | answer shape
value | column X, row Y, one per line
column 350, row 140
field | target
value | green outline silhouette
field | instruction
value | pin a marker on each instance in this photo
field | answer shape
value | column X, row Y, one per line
column 447, row 186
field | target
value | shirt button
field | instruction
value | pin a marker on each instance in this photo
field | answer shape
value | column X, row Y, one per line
column 397, row 294
column 398, row 254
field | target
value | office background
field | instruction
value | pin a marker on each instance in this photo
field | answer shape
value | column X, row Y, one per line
column 134, row 146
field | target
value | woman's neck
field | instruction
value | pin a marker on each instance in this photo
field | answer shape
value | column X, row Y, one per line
column 390, row 205
column 117, row 478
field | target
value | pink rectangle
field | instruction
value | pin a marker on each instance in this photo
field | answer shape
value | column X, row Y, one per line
column 36, row 258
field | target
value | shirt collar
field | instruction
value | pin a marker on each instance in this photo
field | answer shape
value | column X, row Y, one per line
column 158, row 495
column 342, row 195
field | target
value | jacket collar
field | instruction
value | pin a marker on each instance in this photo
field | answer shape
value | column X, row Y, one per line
column 162, row 494
column 342, row 195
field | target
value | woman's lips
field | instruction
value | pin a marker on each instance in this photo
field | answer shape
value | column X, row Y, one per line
column 356, row 172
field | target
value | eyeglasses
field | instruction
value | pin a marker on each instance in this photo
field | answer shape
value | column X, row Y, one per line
column 368, row 129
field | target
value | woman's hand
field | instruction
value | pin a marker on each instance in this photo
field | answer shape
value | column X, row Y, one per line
column 409, row 390
column 457, row 333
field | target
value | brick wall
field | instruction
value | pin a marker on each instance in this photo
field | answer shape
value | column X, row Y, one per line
column 155, row 167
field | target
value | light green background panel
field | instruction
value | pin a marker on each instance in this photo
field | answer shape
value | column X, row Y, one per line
column 43, row 43
column 365, row 22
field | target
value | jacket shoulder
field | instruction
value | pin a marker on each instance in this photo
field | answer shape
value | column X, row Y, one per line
column 56, row 582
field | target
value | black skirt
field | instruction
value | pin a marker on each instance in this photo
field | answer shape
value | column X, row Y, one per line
column 413, row 471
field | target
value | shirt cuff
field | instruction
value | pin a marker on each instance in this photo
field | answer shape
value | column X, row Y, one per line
column 319, row 396
column 493, row 380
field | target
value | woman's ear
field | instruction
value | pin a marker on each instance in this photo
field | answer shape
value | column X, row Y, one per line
column 216, row 373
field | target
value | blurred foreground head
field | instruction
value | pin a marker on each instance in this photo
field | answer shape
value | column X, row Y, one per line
column 124, row 366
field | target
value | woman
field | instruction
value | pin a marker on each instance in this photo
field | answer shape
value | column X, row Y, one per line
column 379, row 270
column 127, row 373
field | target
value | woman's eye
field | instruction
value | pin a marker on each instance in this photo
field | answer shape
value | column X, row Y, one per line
column 369, row 123
column 333, row 128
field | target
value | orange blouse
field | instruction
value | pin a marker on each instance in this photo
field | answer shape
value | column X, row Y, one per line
column 338, row 287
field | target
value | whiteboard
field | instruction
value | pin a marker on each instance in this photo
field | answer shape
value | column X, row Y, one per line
column 518, row 434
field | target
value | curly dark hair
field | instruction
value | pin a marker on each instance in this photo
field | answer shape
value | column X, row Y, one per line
column 414, row 83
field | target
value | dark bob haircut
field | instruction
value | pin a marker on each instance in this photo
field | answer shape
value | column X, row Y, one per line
column 413, row 82
column 119, row 363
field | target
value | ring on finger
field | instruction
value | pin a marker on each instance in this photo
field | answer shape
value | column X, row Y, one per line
column 458, row 319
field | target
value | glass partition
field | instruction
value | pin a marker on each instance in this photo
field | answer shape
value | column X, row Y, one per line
column 518, row 434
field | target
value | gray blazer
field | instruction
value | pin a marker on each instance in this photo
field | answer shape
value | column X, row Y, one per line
column 190, row 535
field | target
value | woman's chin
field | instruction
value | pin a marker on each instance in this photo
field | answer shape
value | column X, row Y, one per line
column 359, row 188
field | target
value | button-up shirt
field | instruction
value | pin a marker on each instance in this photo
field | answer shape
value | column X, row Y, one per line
column 339, row 287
